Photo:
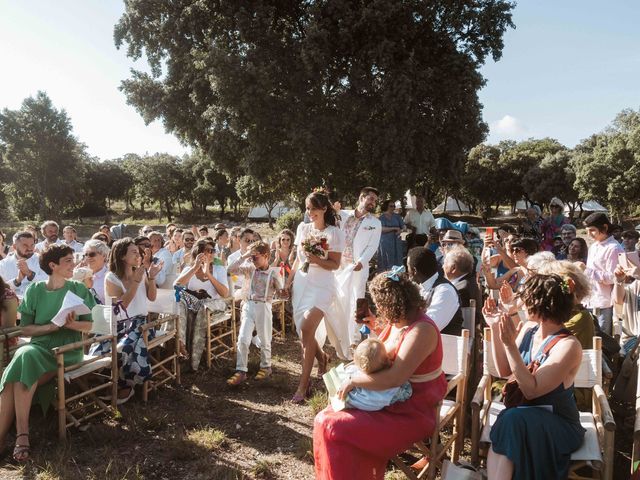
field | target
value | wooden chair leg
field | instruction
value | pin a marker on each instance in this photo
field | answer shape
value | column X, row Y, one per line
column 62, row 400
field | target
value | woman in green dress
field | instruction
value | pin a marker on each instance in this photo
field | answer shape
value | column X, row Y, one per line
column 34, row 364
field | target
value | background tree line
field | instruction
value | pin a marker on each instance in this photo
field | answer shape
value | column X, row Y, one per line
column 46, row 173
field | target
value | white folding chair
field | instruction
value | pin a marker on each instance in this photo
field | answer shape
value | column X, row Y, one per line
column 164, row 362
column 455, row 363
column 596, row 452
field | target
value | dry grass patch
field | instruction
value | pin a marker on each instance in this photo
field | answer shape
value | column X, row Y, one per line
column 318, row 401
column 208, row 437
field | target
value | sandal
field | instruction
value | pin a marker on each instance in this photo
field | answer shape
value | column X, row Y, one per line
column 21, row 453
column 237, row 378
column 300, row 399
column 262, row 374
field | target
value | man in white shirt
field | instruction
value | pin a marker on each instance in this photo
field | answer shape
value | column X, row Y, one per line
column 160, row 254
column 49, row 231
column 188, row 239
column 362, row 232
column 23, row 268
column 70, row 238
column 419, row 221
column 443, row 303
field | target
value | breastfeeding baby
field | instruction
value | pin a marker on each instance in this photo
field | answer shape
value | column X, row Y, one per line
column 369, row 357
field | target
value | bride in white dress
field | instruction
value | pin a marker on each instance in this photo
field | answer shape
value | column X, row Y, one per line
column 314, row 291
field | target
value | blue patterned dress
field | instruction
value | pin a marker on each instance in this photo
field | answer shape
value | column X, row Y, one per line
column 391, row 249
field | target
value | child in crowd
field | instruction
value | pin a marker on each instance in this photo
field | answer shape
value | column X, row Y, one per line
column 369, row 357
column 264, row 282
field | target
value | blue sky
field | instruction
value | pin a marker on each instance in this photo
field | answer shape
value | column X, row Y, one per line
column 566, row 70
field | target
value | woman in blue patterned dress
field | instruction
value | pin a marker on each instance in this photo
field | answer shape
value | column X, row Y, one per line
column 391, row 249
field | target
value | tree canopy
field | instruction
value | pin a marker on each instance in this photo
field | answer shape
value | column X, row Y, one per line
column 371, row 92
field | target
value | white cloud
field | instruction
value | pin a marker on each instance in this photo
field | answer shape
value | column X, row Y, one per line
column 508, row 127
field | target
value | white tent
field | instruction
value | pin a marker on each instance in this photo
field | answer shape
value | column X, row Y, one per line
column 261, row 212
column 588, row 206
column 522, row 205
column 451, row 205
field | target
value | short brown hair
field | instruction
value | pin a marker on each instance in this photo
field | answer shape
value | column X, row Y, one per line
column 395, row 299
column 53, row 253
column 260, row 247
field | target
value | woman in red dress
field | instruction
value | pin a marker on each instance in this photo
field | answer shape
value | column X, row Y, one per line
column 355, row 444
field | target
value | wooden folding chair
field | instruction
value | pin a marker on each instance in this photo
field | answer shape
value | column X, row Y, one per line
column 10, row 342
column 278, row 308
column 163, row 361
column 597, row 450
column 455, row 363
column 221, row 332
column 102, row 370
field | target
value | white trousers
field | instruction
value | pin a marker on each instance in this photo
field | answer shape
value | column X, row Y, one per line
column 255, row 316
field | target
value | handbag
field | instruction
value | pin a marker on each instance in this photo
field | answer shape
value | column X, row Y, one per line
column 511, row 393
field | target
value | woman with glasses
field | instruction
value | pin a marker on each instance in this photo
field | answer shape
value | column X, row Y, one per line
column 520, row 250
column 285, row 253
column 204, row 284
column 96, row 253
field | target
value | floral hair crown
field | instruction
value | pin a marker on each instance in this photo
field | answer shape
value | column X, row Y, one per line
column 321, row 190
column 567, row 286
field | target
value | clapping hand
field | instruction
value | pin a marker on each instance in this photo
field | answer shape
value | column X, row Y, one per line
column 508, row 331
column 506, row 295
column 154, row 269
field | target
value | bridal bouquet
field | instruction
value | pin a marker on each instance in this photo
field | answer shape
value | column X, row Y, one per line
column 315, row 245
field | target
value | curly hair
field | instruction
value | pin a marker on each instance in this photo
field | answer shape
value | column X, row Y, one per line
column 395, row 299
column 548, row 297
column 567, row 269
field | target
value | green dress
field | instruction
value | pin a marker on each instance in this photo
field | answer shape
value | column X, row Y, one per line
column 33, row 360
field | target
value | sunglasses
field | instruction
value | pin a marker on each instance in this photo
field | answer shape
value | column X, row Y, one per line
column 516, row 250
column 447, row 244
column 91, row 254
column 189, row 239
column 146, row 232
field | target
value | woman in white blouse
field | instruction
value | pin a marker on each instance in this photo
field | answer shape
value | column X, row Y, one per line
column 204, row 284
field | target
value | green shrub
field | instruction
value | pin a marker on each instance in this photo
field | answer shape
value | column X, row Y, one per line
column 289, row 220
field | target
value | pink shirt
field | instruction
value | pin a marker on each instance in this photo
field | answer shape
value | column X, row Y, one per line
column 601, row 262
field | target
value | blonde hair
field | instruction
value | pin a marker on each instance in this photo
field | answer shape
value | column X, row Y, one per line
column 367, row 354
column 567, row 269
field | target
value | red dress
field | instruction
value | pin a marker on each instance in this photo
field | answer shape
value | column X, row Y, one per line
column 354, row 444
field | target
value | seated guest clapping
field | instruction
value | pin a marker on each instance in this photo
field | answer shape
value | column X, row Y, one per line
column 23, row 268
column 131, row 281
column 204, row 285
column 537, row 442
column 358, row 444
column 34, row 364
column 96, row 254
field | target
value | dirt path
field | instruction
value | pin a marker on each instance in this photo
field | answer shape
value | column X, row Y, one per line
column 201, row 430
